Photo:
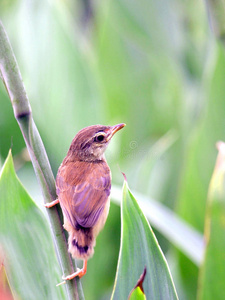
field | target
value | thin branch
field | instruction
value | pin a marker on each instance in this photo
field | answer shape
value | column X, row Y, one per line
column 11, row 77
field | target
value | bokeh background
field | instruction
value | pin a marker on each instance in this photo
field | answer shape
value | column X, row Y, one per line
column 154, row 65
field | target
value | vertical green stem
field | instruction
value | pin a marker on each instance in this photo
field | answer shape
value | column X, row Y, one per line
column 11, row 77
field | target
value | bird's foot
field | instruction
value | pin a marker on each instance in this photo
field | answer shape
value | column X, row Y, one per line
column 51, row 204
column 79, row 273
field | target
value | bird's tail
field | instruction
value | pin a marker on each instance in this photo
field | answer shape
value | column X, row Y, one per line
column 81, row 242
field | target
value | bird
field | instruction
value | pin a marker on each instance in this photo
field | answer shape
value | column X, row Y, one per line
column 83, row 185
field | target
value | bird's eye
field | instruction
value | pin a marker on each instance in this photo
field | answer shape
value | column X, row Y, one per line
column 99, row 138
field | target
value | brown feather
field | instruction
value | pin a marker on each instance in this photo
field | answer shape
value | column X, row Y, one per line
column 83, row 190
column 83, row 186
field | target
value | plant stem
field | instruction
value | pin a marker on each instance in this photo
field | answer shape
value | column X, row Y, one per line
column 11, row 77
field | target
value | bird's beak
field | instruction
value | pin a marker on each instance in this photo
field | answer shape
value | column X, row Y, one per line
column 112, row 130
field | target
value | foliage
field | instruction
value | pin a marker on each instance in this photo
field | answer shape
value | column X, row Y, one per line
column 155, row 66
column 139, row 249
column 26, row 241
column 211, row 286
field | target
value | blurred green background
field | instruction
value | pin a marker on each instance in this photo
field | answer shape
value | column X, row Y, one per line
column 154, row 65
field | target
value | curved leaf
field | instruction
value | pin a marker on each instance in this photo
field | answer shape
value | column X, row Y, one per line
column 212, row 272
column 176, row 230
column 29, row 256
column 139, row 248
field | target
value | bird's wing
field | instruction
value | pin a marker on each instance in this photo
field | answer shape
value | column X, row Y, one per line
column 83, row 189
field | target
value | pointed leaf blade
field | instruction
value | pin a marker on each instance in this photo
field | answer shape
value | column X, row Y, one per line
column 29, row 258
column 138, row 291
column 139, row 248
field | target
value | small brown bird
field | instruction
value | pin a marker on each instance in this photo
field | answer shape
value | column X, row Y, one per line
column 83, row 185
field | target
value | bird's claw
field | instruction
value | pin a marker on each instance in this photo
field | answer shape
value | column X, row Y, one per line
column 69, row 277
column 47, row 205
column 79, row 273
column 51, row 204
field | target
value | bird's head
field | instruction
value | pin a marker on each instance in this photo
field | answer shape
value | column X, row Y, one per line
column 90, row 143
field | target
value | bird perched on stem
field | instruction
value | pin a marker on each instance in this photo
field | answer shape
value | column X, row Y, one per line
column 83, row 185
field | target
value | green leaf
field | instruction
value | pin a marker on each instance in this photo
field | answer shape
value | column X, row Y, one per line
column 175, row 229
column 139, row 248
column 200, row 158
column 138, row 292
column 29, row 256
column 212, row 274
